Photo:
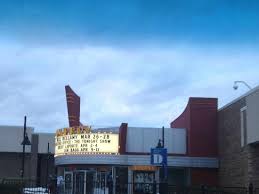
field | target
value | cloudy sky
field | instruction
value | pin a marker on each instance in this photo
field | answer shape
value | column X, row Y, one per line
column 135, row 61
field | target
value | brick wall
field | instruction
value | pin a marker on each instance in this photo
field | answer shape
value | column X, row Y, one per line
column 238, row 165
column 253, row 164
column 233, row 163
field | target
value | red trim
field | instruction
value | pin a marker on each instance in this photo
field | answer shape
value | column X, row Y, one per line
column 73, row 107
column 200, row 120
column 123, row 137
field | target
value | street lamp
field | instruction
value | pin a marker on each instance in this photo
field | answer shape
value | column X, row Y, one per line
column 159, row 144
column 47, row 169
column 243, row 82
column 25, row 142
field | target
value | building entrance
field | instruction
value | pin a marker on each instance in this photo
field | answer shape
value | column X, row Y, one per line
column 83, row 182
column 86, row 182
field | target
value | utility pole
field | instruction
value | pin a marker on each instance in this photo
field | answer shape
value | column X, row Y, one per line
column 25, row 142
column 47, row 169
column 163, row 137
column 23, row 147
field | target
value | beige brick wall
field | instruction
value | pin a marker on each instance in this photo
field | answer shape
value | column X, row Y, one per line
column 253, row 164
column 238, row 166
column 233, row 163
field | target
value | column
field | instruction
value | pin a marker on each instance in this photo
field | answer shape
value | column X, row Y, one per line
column 114, row 179
column 130, row 181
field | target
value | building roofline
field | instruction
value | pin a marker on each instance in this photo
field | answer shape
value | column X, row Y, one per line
column 189, row 102
column 239, row 98
column 44, row 133
column 155, row 128
column 20, row 126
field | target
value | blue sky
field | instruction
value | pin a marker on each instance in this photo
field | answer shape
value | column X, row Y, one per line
column 217, row 21
column 130, row 61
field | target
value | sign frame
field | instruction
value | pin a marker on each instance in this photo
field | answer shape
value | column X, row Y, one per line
column 93, row 143
column 157, row 155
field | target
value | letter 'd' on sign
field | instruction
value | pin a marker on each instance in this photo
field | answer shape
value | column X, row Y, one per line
column 158, row 156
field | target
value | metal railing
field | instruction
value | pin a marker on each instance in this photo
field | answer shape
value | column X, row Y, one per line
column 22, row 186
column 26, row 186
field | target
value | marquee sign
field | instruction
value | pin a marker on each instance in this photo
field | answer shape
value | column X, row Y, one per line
column 73, row 130
column 81, row 140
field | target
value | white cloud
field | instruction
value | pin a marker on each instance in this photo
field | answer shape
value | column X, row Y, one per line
column 147, row 86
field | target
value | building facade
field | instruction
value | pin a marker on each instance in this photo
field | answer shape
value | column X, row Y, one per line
column 205, row 146
column 36, row 155
column 200, row 121
column 189, row 162
column 238, row 129
column 132, row 162
column 230, row 133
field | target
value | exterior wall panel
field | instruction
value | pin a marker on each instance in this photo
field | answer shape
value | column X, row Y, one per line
column 12, row 138
column 176, row 140
column 141, row 140
column 44, row 138
column 200, row 120
column 150, row 139
column 252, row 103
column 203, row 131
column 134, row 141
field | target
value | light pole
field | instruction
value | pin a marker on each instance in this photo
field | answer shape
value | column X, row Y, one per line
column 164, row 185
column 161, row 145
column 242, row 82
column 163, row 136
column 25, row 142
column 161, row 142
column 47, row 169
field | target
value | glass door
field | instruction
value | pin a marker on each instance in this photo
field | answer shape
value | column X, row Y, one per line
column 79, row 182
column 83, row 182
column 68, row 182
column 90, row 177
column 101, row 183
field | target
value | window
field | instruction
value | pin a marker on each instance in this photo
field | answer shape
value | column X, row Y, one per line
column 243, row 126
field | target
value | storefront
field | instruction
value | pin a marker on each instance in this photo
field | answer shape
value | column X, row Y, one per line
column 117, row 160
column 83, row 141
column 88, row 180
column 108, row 175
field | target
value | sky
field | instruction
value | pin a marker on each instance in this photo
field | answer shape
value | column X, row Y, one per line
column 134, row 61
